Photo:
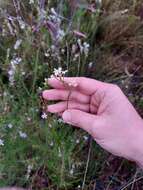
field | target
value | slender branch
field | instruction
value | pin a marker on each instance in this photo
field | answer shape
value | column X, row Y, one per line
column 87, row 163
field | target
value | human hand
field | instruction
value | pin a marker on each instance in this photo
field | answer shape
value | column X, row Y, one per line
column 103, row 111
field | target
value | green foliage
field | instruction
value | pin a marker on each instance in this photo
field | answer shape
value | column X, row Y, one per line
column 55, row 152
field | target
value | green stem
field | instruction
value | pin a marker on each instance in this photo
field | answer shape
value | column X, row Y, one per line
column 35, row 71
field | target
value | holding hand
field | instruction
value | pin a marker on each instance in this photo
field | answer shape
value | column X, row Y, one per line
column 103, row 111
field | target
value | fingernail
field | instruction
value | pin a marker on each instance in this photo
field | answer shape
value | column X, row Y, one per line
column 67, row 116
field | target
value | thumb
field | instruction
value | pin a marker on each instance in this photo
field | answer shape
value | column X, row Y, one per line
column 81, row 119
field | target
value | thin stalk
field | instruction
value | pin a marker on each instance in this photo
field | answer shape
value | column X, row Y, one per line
column 35, row 71
column 87, row 163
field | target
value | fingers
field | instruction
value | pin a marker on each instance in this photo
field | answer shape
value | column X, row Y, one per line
column 82, row 119
column 55, row 94
column 62, row 106
column 85, row 85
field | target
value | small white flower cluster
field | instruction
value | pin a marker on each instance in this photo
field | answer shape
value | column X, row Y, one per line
column 79, row 186
column 77, row 141
column 52, row 51
column 14, row 62
column 17, row 44
column 54, row 17
column 44, row 115
column 29, row 169
column 59, row 152
column 84, row 48
column 22, row 135
column 22, row 24
column 31, row 2
column 90, row 65
column 51, row 143
column 85, row 138
column 47, row 53
column 125, row 11
column 1, row 142
column 99, row 1
column 10, row 126
column 61, row 120
column 72, row 169
column 60, row 34
column 58, row 73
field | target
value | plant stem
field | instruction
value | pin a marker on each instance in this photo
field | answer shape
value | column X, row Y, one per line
column 87, row 163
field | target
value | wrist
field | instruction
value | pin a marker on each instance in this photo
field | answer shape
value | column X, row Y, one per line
column 137, row 144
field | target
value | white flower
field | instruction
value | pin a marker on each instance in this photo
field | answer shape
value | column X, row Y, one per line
column 60, row 35
column 44, row 116
column 47, row 54
column 15, row 61
column 29, row 119
column 85, row 138
column 54, row 17
column 60, row 153
column 21, row 23
column 80, row 45
column 125, row 11
column 10, row 126
column 31, row 2
column 86, row 47
column 99, row 1
column 62, row 51
column 76, row 56
column 53, row 11
column 23, row 73
column 22, row 135
column 1, row 142
column 29, row 169
column 53, row 47
column 5, row 94
column 59, row 72
column 61, row 120
column 52, row 144
column 90, row 65
column 72, row 169
column 11, row 72
column 77, row 141
column 17, row 44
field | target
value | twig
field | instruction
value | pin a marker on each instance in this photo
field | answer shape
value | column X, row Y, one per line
column 134, row 181
column 87, row 163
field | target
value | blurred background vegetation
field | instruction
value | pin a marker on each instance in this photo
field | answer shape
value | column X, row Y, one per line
column 97, row 39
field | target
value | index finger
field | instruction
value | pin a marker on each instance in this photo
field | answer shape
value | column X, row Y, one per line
column 86, row 85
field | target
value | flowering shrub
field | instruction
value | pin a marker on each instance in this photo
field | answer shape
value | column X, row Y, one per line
column 41, row 39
